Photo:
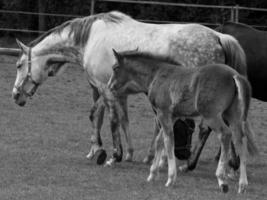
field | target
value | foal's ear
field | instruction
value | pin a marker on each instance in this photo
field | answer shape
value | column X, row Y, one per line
column 117, row 55
column 22, row 46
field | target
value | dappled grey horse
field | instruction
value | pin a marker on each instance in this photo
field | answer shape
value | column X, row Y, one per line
column 87, row 42
column 215, row 93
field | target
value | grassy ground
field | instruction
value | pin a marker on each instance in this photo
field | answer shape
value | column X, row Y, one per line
column 43, row 148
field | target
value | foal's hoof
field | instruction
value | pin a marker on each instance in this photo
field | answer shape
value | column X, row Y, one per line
column 100, row 156
column 224, row 188
column 90, row 155
column 150, row 178
column 129, row 156
column 148, row 159
column 183, row 168
column 169, row 182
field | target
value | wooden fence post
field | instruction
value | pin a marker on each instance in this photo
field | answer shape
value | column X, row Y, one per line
column 41, row 18
column 92, row 7
column 236, row 14
column 232, row 17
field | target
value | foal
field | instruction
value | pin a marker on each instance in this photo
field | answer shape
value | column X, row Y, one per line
column 216, row 93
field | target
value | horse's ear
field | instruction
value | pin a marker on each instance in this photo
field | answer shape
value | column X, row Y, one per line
column 22, row 46
column 117, row 55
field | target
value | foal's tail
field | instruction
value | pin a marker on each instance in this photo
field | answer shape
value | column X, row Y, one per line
column 244, row 96
column 235, row 56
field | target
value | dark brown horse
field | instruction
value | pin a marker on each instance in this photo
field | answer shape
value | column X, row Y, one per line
column 254, row 44
column 214, row 93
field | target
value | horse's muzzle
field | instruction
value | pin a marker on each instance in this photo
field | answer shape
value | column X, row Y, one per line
column 19, row 98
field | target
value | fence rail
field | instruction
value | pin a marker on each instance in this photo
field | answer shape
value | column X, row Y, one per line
column 10, row 51
column 183, row 4
column 234, row 12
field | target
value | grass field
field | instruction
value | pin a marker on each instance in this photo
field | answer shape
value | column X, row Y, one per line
column 43, row 149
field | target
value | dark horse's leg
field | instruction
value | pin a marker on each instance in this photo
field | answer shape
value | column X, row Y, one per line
column 204, row 133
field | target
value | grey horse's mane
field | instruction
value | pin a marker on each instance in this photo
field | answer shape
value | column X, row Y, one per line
column 146, row 55
column 80, row 27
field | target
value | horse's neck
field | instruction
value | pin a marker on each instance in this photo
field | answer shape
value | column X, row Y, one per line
column 146, row 73
column 59, row 44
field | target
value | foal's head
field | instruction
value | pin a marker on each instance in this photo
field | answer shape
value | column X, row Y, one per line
column 124, row 80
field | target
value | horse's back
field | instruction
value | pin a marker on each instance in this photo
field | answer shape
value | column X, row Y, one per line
column 189, row 44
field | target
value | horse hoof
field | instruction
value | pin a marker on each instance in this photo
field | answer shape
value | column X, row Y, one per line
column 148, row 159
column 129, row 158
column 100, row 156
column 90, row 155
column 169, row 183
column 224, row 188
column 150, row 178
column 110, row 162
column 184, row 168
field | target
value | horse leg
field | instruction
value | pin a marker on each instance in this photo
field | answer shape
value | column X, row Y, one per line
column 167, row 126
column 96, row 119
column 217, row 157
column 115, row 125
column 158, row 148
column 203, row 135
column 224, row 135
column 124, row 120
column 234, row 162
column 241, row 147
column 151, row 150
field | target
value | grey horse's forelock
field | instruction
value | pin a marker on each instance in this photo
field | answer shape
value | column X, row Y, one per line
column 80, row 27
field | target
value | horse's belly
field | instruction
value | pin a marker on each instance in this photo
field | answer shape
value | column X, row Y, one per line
column 185, row 109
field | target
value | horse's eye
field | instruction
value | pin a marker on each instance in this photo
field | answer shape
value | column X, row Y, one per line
column 19, row 66
column 116, row 68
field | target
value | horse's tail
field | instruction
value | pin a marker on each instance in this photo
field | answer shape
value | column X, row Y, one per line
column 235, row 56
column 244, row 96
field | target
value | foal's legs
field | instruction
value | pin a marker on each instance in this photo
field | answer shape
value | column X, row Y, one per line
column 151, row 150
column 224, row 134
column 167, row 126
column 125, row 127
column 241, row 147
column 158, row 146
